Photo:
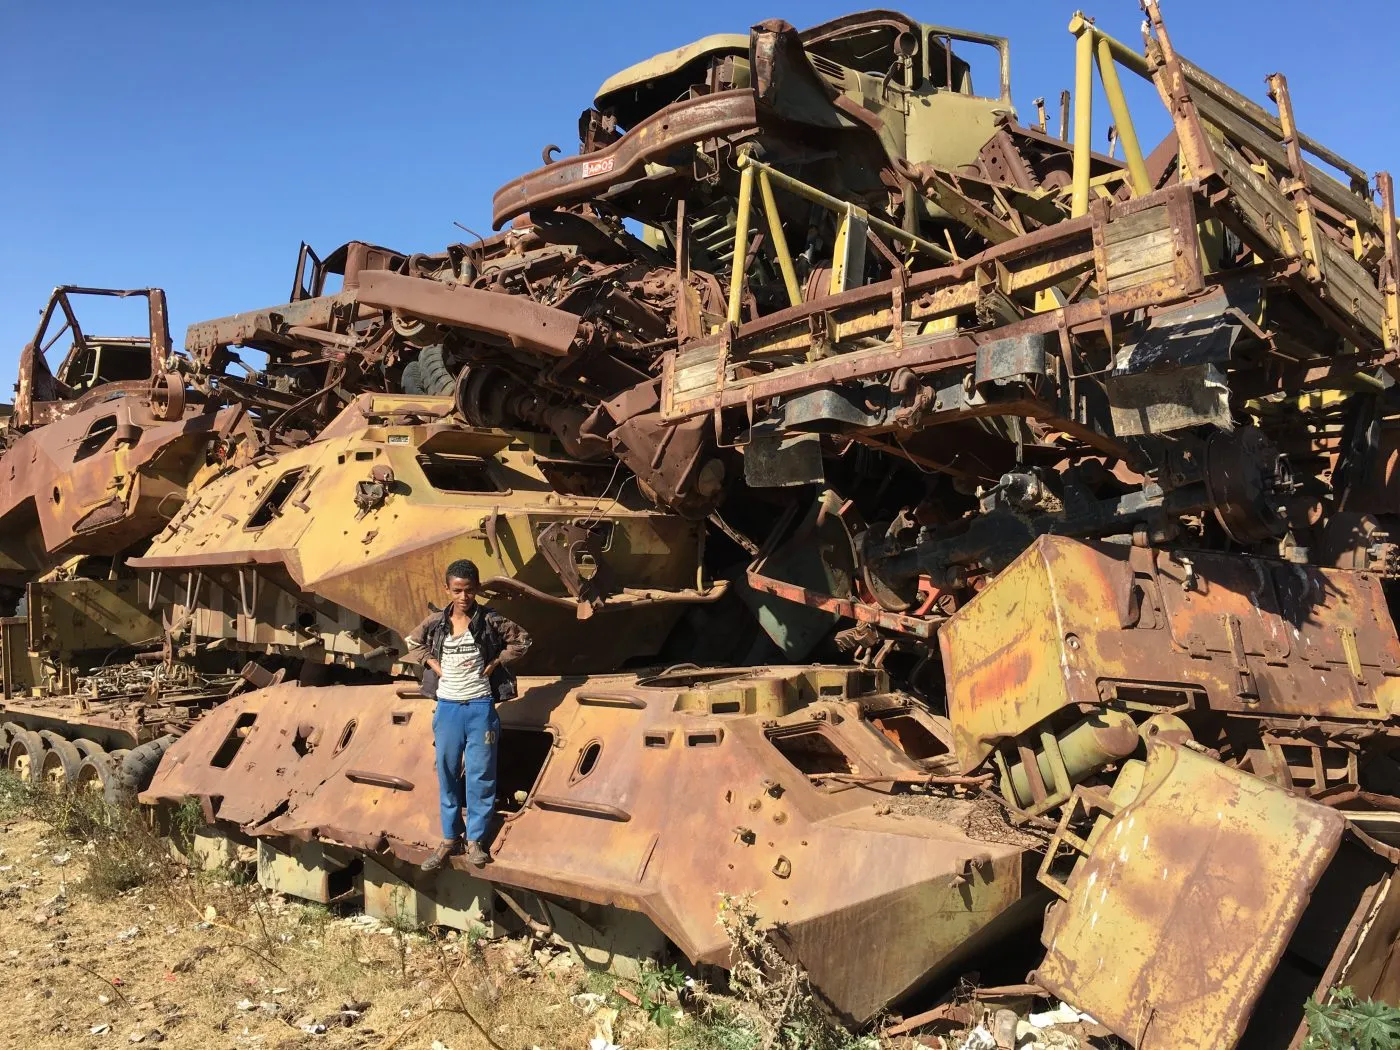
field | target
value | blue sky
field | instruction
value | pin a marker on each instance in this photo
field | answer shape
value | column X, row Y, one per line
column 194, row 145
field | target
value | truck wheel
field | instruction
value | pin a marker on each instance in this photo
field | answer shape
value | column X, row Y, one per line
column 96, row 772
column 60, row 762
column 25, row 757
column 433, row 370
column 133, row 774
column 87, row 747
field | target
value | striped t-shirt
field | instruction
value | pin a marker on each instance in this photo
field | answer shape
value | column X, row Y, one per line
column 462, row 679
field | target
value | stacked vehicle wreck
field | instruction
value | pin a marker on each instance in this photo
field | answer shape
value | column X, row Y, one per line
column 1073, row 474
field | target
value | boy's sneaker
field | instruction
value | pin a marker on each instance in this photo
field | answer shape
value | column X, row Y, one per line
column 439, row 856
column 476, row 855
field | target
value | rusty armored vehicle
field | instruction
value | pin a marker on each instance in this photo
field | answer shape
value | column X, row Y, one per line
column 99, row 450
column 98, row 454
column 1063, row 481
column 332, row 552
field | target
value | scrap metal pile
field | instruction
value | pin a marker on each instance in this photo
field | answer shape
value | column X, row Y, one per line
column 976, row 548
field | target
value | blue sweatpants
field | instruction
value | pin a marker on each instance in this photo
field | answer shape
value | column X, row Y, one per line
column 465, row 736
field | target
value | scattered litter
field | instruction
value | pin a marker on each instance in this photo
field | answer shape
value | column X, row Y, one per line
column 1004, row 1025
column 599, row 1043
column 314, row 1029
column 588, row 1002
column 210, row 913
column 347, row 1015
column 126, row 935
column 603, row 1028
column 60, row 859
column 1061, row 1014
column 136, row 1037
column 103, row 1000
column 244, row 1004
column 978, row 1039
column 438, row 1044
column 99, row 1029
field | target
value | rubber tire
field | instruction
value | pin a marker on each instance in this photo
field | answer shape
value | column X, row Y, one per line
column 96, row 772
column 64, row 755
column 87, row 747
column 25, row 743
column 133, row 775
column 411, row 382
column 435, row 377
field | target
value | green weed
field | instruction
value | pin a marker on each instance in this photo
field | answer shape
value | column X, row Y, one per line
column 1348, row 1023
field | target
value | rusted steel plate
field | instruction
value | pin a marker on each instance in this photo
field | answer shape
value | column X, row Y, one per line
column 1185, row 903
column 527, row 324
column 1003, row 653
column 1068, row 622
column 96, row 481
column 711, row 804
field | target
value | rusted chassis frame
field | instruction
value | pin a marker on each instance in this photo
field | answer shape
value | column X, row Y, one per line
column 574, row 179
column 516, row 320
column 730, row 370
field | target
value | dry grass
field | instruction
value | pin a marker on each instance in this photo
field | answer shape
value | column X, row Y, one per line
column 105, row 936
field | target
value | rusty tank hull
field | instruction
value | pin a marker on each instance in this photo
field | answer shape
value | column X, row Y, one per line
column 98, row 482
column 653, row 796
column 334, row 551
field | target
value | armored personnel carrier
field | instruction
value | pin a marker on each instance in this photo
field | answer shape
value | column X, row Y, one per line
column 333, row 551
column 1073, row 471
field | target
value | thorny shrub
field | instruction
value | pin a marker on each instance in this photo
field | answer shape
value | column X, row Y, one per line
column 772, row 1004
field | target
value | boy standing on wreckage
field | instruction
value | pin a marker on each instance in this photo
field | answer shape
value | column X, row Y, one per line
column 465, row 651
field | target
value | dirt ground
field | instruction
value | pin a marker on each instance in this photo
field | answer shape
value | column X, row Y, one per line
column 194, row 960
column 107, row 939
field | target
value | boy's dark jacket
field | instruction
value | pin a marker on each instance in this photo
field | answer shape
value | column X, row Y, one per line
column 496, row 637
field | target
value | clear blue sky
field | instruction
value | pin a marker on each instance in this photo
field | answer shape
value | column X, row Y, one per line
column 192, row 145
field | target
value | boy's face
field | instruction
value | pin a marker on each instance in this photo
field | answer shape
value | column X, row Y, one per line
column 462, row 593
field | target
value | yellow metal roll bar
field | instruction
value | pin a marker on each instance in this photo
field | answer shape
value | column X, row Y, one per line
column 1093, row 47
column 851, row 225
